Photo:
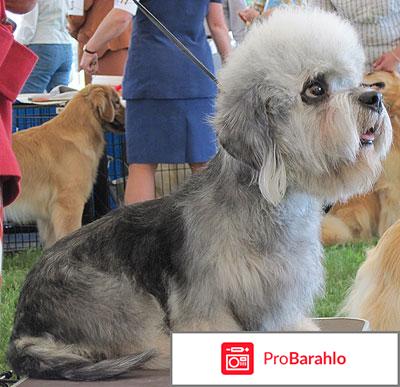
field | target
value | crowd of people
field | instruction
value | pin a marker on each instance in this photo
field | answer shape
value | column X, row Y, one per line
column 168, row 98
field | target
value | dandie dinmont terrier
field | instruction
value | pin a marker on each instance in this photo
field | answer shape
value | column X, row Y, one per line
column 237, row 248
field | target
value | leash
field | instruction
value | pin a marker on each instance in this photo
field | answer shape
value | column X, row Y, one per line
column 161, row 27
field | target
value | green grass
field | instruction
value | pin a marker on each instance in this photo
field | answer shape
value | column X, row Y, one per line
column 341, row 263
column 14, row 272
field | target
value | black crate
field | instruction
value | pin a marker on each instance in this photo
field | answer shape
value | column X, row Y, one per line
column 20, row 237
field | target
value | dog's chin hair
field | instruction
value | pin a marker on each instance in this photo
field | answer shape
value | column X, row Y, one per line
column 338, row 167
column 336, row 142
column 351, row 179
column 340, row 138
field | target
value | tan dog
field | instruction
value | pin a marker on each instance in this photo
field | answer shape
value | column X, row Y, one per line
column 59, row 162
column 368, row 216
column 375, row 295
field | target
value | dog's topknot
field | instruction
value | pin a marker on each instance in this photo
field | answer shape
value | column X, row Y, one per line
column 290, row 108
column 293, row 42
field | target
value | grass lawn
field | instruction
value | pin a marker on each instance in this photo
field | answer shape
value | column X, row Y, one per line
column 14, row 272
column 341, row 265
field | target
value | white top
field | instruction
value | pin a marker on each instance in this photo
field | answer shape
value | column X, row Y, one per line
column 126, row 5
column 376, row 21
column 45, row 24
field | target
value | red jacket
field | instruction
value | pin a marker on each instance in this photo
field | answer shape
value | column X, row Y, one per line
column 16, row 63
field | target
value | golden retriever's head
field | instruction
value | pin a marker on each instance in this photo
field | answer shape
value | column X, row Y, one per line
column 389, row 85
column 106, row 104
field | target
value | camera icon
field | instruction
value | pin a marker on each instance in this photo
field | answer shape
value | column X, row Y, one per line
column 237, row 358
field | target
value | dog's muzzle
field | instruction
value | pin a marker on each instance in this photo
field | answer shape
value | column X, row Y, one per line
column 372, row 100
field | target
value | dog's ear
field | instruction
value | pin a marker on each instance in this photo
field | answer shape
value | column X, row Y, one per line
column 245, row 132
column 102, row 102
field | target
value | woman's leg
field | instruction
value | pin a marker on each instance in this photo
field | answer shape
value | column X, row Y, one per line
column 140, row 185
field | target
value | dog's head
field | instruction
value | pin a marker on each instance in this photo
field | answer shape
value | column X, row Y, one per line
column 292, row 107
column 106, row 105
column 386, row 83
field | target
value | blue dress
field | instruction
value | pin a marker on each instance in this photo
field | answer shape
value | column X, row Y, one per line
column 169, row 99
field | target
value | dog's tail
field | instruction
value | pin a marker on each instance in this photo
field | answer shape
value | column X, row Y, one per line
column 46, row 359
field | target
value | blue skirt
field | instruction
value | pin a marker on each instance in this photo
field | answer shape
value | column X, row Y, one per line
column 169, row 131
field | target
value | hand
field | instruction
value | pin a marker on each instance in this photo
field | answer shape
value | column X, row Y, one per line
column 248, row 15
column 89, row 63
column 389, row 61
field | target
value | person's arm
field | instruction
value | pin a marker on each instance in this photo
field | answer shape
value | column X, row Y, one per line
column 248, row 15
column 116, row 21
column 20, row 6
column 218, row 29
column 75, row 22
column 389, row 61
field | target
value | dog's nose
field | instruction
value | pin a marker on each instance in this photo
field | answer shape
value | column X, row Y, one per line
column 372, row 99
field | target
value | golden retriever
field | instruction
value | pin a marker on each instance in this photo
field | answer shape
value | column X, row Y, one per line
column 59, row 162
column 375, row 294
column 368, row 216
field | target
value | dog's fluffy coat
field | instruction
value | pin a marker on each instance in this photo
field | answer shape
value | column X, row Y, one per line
column 375, row 294
column 370, row 215
column 59, row 162
column 237, row 248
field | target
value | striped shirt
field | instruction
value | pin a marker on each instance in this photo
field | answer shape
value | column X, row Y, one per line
column 377, row 22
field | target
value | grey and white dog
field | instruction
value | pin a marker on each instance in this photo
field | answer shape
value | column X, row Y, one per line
column 237, row 248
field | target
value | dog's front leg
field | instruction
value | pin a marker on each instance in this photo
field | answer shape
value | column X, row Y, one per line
column 66, row 218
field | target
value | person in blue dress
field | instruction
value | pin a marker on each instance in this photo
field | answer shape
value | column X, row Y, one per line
column 169, row 99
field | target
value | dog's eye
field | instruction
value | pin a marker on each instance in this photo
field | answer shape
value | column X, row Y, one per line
column 315, row 90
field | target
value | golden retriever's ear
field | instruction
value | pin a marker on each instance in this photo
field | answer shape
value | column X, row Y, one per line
column 102, row 102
